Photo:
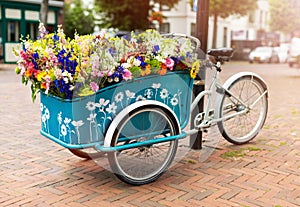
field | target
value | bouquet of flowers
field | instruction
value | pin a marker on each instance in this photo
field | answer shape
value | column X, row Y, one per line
column 70, row 68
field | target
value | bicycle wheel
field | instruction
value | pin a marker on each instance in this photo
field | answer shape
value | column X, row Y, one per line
column 242, row 128
column 142, row 165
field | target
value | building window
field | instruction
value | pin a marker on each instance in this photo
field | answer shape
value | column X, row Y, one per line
column 164, row 28
column 13, row 31
column 165, row 8
column 251, row 17
column 193, row 29
column 32, row 29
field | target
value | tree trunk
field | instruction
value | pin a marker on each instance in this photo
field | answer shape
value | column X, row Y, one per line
column 215, row 31
column 44, row 12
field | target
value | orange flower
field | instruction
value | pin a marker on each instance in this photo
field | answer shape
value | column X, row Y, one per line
column 146, row 71
column 162, row 70
column 29, row 72
column 43, row 85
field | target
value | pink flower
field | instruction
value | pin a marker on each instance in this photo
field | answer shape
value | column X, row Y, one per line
column 23, row 55
column 170, row 63
column 48, row 81
column 42, row 30
column 94, row 86
column 127, row 74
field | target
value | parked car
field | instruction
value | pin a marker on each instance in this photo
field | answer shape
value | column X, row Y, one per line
column 294, row 52
column 264, row 54
column 282, row 51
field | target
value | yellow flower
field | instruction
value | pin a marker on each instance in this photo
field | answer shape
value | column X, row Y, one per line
column 195, row 69
column 41, row 75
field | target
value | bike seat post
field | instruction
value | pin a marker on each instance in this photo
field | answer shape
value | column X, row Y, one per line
column 218, row 66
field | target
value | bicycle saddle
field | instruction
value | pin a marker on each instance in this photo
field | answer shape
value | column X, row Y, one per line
column 220, row 52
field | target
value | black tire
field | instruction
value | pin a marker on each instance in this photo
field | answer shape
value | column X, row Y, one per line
column 241, row 129
column 142, row 165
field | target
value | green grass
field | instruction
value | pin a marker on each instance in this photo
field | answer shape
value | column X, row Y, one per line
column 239, row 153
column 282, row 143
column 295, row 112
column 192, row 161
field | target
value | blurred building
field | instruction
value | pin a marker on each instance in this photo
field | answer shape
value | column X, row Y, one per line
column 241, row 32
column 21, row 18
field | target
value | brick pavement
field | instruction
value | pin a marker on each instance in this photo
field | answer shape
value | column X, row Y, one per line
column 37, row 172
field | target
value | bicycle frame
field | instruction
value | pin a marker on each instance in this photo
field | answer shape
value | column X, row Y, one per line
column 206, row 119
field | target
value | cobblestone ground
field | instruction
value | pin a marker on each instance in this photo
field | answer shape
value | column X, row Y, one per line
column 34, row 171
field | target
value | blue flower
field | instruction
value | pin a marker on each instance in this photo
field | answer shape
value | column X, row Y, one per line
column 176, row 60
column 112, row 51
column 156, row 48
column 143, row 64
column 120, row 69
column 189, row 55
column 55, row 37
column 63, row 88
column 35, row 55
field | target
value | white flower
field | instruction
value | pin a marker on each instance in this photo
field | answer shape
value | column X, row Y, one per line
column 130, row 60
column 136, row 62
column 63, row 130
column 44, row 118
column 66, row 80
column 58, row 74
column 47, row 113
column 174, row 101
column 160, row 59
column 77, row 123
column 140, row 98
column 126, row 65
column 156, row 85
column 59, row 118
column 92, row 117
column 102, row 102
column 119, row 97
column 148, row 93
column 112, row 108
column 67, row 121
column 164, row 93
column 116, row 79
column 90, row 106
column 41, row 106
column 129, row 94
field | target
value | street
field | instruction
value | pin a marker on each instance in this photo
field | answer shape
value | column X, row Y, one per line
column 35, row 171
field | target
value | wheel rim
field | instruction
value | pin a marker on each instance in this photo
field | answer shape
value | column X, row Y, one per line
column 244, row 127
column 144, row 163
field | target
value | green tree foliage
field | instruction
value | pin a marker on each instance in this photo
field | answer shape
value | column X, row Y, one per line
column 225, row 8
column 284, row 15
column 78, row 19
column 127, row 14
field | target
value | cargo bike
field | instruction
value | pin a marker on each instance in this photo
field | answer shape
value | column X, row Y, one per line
column 137, row 124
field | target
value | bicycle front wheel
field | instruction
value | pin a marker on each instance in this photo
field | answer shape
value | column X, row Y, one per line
column 246, row 93
column 143, row 164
